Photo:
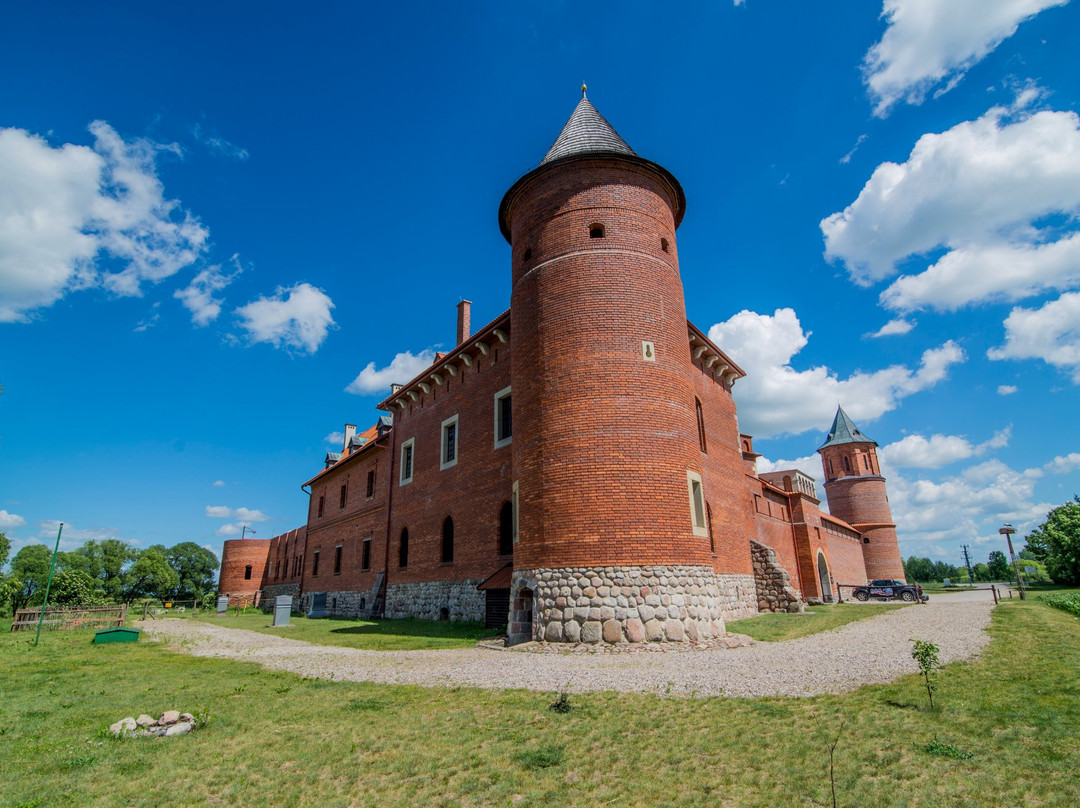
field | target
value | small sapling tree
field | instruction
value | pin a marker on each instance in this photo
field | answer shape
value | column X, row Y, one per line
column 925, row 655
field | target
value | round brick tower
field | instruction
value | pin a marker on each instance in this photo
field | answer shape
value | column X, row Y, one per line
column 856, row 493
column 611, row 543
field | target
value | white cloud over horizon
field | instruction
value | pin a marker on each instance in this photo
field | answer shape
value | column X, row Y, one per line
column 775, row 398
column 403, row 368
column 10, row 520
column 916, row 451
column 297, row 317
column 75, row 217
column 928, row 45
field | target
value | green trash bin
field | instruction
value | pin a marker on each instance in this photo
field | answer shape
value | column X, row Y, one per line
column 116, row 635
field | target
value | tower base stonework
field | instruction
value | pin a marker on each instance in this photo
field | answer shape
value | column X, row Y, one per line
column 628, row 604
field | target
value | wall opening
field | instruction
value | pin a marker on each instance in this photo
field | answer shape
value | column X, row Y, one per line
column 506, row 529
column 596, row 230
column 824, row 578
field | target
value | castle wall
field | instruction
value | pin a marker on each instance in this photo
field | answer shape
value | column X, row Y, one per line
column 471, row 492
column 845, row 552
column 362, row 518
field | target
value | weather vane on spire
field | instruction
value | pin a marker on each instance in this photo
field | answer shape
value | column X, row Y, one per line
column 584, row 87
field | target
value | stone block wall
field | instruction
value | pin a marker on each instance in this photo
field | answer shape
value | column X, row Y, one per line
column 629, row 604
column 774, row 590
column 427, row 600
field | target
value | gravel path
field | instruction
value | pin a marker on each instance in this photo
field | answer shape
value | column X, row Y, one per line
column 864, row 652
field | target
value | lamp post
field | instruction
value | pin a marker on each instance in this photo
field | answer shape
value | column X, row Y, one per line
column 1007, row 530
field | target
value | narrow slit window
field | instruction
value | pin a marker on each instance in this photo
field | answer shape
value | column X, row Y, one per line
column 365, row 555
column 403, row 548
column 700, row 425
column 337, row 560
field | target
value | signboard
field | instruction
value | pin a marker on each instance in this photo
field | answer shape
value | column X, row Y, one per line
column 1031, row 570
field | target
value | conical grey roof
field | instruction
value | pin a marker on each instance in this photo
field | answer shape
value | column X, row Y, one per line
column 844, row 431
column 587, row 132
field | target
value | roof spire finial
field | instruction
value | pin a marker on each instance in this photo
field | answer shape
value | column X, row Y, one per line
column 584, row 87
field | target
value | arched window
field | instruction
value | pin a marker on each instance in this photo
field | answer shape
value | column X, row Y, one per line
column 847, row 464
column 700, row 425
column 866, row 462
column 403, row 548
column 506, row 529
column 596, row 230
column 447, row 540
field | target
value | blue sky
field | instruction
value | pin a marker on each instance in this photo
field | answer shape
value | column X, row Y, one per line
column 226, row 228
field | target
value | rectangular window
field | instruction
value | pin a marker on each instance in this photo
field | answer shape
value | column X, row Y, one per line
column 406, row 462
column 337, row 560
column 365, row 557
column 371, row 484
column 449, row 450
column 315, row 564
column 344, row 495
column 247, row 573
column 322, row 505
column 697, row 503
column 700, row 425
column 504, row 426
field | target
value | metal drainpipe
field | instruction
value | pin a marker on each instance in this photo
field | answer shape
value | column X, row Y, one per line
column 389, row 510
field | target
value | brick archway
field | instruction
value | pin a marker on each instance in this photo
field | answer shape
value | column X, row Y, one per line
column 824, row 578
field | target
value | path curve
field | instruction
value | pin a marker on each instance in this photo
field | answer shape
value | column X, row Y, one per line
column 865, row 652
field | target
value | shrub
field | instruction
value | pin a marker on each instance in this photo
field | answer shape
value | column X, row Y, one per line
column 1069, row 602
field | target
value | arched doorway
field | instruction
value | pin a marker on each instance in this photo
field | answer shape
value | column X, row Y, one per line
column 824, row 578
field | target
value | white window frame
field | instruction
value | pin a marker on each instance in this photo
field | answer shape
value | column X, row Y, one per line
column 499, row 396
column 409, row 445
column 696, row 489
column 443, row 462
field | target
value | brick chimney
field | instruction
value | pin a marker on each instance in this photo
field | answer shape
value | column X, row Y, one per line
column 350, row 430
column 463, row 325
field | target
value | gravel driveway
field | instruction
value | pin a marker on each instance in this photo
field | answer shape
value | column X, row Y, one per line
column 864, row 652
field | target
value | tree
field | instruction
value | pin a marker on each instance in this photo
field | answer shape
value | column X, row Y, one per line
column 981, row 572
column 1058, row 538
column 72, row 587
column 31, row 567
column 150, row 576
column 999, row 566
column 195, row 566
column 105, row 561
column 5, row 549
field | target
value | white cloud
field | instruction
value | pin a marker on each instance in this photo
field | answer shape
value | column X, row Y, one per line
column 774, row 398
column 915, row 451
column 1050, row 333
column 404, row 367
column 1007, row 389
column 930, row 44
column 198, row 296
column 335, row 438
column 66, row 211
column 1063, row 464
column 893, row 328
column 243, row 514
column 976, row 191
column 218, row 144
column 232, row 530
column 219, row 483
column 297, row 317
column 809, row 465
column 8, row 520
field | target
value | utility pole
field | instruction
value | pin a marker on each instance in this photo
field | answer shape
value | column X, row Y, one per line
column 967, row 561
column 48, row 584
column 1007, row 530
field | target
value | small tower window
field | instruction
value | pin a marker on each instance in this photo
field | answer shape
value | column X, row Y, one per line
column 596, row 230
column 664, row 244
column 528, row 254
column 847, row 464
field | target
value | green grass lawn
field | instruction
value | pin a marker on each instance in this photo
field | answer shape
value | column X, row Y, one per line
column 780, row 627
column 370, row 635
column 276, row 739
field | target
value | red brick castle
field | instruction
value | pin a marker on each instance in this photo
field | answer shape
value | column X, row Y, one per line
column 574, row 469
